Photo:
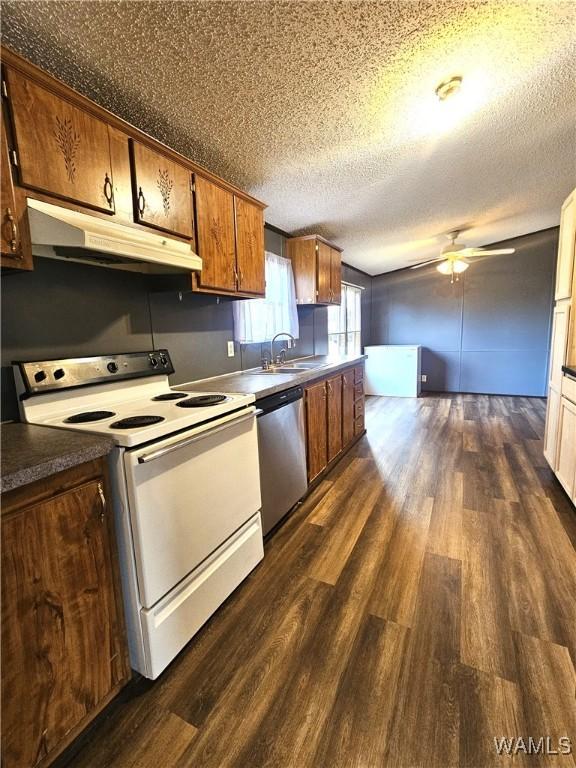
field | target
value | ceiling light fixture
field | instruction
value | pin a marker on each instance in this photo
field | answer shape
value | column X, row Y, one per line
column 452, row 266
column 449, row 88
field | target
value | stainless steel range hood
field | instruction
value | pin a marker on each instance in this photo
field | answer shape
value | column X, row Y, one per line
column 60, row 233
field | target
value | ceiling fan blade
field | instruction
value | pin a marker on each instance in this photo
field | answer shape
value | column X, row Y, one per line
column 425, row 263
column 475, row 252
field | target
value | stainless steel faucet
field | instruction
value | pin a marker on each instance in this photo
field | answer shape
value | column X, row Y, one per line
column 281, row 357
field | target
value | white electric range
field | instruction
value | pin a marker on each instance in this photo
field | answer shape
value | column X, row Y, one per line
column 185, row 483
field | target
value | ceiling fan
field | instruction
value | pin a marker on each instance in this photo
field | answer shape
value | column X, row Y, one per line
column 454, row 257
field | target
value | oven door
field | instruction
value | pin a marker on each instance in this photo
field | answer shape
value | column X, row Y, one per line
column 188, row 494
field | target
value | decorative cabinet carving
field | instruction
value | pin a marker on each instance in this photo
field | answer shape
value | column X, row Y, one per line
column 317, row 266
column 162, row 192
column 334, row 417
column 63, row 647
column 230, row 241
column 60, row 149
column 14, row 246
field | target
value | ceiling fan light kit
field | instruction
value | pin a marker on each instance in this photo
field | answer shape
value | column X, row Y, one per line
column 453, row 257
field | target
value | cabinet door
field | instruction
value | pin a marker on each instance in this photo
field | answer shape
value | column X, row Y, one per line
column 302, row 253
column 324, row 271
column 566, row 458
column 316, row 429
column 14, row 243
column 551, row 429
column 249, row 222
column 347, row 406
column 162, row 191
column 334, row 387
column 560, row 323
column 335, row 276
column 215, row 235
column 566, row 249
column 61, row 149
column 60, row 621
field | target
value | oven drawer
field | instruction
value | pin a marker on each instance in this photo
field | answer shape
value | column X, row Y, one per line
column 175, row 620
column 188, row 494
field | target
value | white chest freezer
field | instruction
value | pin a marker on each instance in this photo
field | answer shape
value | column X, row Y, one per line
column 393, row 369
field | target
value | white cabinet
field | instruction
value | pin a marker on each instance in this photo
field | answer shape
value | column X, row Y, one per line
column 560, row 324
column 566, row 249
column 551, row 432
column 566, row 458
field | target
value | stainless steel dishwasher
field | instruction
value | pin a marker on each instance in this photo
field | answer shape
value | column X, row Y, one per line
column 282, row 449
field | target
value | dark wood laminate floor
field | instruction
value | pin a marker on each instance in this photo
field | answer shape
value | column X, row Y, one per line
column 421, row 602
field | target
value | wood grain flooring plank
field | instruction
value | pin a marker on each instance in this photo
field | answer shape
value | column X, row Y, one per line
column 395, row 592
column 548, row 683
column 490, row 708
column 486, row 640
column 356, row 730
column 356, row 476
column 424, row 730
column 445, row 531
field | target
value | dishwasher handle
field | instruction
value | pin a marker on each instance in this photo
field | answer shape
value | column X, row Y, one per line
column 279, row 400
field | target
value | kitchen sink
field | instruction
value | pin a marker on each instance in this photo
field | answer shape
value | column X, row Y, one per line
column 292, row 368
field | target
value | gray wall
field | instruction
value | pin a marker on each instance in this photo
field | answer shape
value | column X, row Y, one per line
column 489, row 332
column 69, row 310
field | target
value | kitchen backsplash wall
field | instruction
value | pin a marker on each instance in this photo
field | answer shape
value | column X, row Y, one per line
column 489, row 332
column 69, row 310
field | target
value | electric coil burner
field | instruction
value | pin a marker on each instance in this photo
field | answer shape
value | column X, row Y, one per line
column 136, row 421
column 201, row 401
column 87, row 416
column 170, row 396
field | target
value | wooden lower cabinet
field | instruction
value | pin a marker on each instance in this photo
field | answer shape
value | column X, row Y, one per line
column 316, row 429
column 334, row 418
column 566, row 456
column 64, row 653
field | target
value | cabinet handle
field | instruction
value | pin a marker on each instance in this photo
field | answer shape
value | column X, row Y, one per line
column 102, row 501
column 108, row 191
column 141, row 202
column 13, row 231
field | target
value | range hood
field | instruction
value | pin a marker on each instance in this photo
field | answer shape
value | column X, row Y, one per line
column 61, row 233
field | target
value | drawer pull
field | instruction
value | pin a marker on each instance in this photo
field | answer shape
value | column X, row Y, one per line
column 13, row 230
column 108, row 191
column 141, row 202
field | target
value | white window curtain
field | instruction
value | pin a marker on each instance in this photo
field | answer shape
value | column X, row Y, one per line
column 258, row 320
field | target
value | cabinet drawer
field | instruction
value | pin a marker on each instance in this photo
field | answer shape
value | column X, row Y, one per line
column 359, row 409
column 358, row 373
column 359, row 425
column 569, row 388
column 359, row 390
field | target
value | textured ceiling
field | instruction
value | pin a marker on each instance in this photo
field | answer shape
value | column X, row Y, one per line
column 326, row 110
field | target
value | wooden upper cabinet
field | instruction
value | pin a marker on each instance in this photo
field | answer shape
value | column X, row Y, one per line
column 14, row 244
column 249, row 221
column 162, row 191
column 317, row 266
column 60, row 148
column 323, row 273
column 335, row 276
column 215, row 238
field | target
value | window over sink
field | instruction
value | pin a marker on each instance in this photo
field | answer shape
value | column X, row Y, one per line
column 259, row 320
column 344, row 322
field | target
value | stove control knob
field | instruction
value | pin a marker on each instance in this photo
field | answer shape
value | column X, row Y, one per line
column 153, row 362
column 163, row 359
column 59, row 373
column 112, row 367
column 39, row 376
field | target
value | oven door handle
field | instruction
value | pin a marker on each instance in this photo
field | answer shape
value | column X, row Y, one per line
column 153, row 455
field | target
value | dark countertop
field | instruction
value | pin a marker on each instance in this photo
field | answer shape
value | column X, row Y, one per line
column 30, row 452
column 264, row 384
column 570, row 369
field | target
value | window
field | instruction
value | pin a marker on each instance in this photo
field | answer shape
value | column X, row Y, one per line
column 344, row 322
column 258, row 320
